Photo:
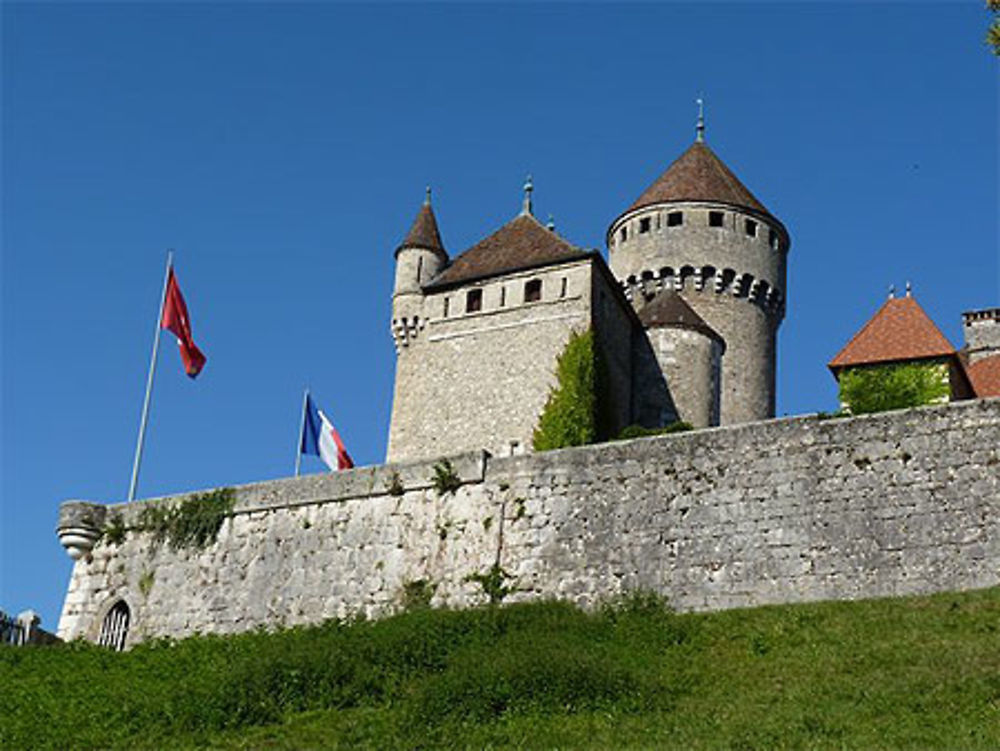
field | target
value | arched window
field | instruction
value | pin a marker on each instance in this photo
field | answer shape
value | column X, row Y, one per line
column 114, row 629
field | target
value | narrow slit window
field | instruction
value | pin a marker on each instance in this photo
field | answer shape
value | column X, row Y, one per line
column 503, row 296
column 624, row 234
column 420, row 267
column 474, row 301
column 751, row 228
column 533, row 290
column 644, row 225
column 562, row 288
column 446, row 301
column 772, row 238
column 715, row 218
column 675, row 218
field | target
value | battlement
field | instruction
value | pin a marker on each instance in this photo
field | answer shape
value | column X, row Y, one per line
column 760, row 292
column 783, row 510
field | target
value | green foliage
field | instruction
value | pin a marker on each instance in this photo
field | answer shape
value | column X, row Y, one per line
column 896, row 673
column 417, row 594
column 573, row 414
column 114, row 529
column 394, row 484
column 993, row 32
column 445, row 479
column 194, row 523
column 493, row 582
column 637, row 431
column 882, row 387
column 146, row 582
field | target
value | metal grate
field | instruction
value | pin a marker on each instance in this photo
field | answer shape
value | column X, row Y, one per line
column 115, row 627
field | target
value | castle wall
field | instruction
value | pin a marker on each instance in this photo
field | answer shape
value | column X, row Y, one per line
column 480, row 379
column 781, row 511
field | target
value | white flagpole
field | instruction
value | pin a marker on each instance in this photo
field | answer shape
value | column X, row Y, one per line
column 149, row 382
column 302, row 430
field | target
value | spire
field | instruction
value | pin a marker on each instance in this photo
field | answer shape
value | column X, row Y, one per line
column 526, row 206
column 424, row 230
column 700, row 128
column 909, row 289
column 551, row 224
column 892, row 291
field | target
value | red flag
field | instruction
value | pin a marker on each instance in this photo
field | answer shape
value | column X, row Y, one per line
column 175, row 319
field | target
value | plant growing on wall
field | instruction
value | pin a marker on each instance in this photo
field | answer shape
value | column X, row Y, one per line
column 194, row 523
column 446, row 479
column 883, row 387
column 638, row 431
column 115, row 529
column 573, row 414
column 494, row 583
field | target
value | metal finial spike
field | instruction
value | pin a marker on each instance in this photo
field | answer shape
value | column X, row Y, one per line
column 427, row 197
column 700, row 129
column 892, row 291
column 528, row 187
column 551, row 225
column 909, row 289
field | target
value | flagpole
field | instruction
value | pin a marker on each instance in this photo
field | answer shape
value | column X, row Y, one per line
column 149, row 382
column 302, row 430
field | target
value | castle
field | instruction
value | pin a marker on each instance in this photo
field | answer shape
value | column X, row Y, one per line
column 685, row 316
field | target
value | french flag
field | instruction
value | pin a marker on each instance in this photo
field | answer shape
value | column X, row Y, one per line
column 321, row 439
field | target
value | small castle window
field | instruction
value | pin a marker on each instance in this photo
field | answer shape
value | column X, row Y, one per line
column 562, row 289
column 474, row 301
column 533, row 290
column 114, row 629
column 715, row 218
column 503, row 296
column 624, row 234
column 751, row 227
column 446, row 301
column 644, row 225
column 772, row 238
column 675, row 218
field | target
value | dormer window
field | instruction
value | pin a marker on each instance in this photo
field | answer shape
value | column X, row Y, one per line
column 715, row 218
column 533, row 290
column 474, row 301
column 675, row 218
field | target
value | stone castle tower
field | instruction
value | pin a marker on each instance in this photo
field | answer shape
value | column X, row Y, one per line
column 699, row 231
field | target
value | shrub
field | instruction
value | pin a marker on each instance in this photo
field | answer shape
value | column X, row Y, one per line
column 446, row 479
column 574, row 412
column 883, row 387
column 638, row 431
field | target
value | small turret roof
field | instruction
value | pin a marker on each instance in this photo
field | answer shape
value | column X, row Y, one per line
column 984, row 375
column 424, row 232
column 698, row 175
column 521, row 243
column 899, row 330
column 669, row 310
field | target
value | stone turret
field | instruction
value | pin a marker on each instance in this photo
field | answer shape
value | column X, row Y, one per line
column 419, row 258
column 698, row 230
column 982, row 333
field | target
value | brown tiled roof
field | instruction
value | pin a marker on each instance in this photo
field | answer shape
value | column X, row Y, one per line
column 424, row 232
column 668, row 309
column 985, row 376
column 900, row 330
column 698, row 175
column 522, row 243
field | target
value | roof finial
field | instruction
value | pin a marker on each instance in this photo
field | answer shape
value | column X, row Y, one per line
column 427, row 198
column 551, row 223
column 892, row 291
column 700, row 129
column 528, row 187
column 909, row 289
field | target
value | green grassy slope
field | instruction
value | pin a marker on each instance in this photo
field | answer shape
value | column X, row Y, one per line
column 904, row 673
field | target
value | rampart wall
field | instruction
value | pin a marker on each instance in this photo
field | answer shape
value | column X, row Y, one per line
column 779, row 511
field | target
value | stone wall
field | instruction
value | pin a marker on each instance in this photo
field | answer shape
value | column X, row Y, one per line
column 779, row 511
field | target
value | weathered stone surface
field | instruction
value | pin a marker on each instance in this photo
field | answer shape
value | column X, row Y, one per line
column 779, row 511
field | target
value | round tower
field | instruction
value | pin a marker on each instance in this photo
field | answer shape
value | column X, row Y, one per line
column 698, row 230
column 419, row 258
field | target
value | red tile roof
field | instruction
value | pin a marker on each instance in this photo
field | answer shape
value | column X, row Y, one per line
column 985, row 376
column 900, row 330
column 698, row 175
column 424, row 232
column 668, row 309
column 522, row 243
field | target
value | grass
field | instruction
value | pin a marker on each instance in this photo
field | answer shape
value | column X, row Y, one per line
column 902, row 673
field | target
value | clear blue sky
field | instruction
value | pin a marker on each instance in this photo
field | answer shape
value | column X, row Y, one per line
column 283, row 151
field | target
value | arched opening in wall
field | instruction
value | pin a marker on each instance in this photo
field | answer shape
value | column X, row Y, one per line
column 742, row 288
column 648, row 286
column 725, row 280
column 114, row 628
column 707, row 275
column 686, row 273
column 759, row 290
column 667, row 277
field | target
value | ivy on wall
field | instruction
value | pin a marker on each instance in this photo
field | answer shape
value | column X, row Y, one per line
column 883, row 387
column 572, row 416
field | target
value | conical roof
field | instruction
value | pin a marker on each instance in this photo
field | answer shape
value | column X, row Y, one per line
column 669, row 310
column 424, row 232
column 899, row 330
column 698, row 175
column 521, row 243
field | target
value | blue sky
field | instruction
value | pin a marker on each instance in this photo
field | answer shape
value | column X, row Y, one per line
column 283, row 150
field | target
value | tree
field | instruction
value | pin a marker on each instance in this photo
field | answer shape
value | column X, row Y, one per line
column 883, row 387
column 571, row 414
column 993, row 33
